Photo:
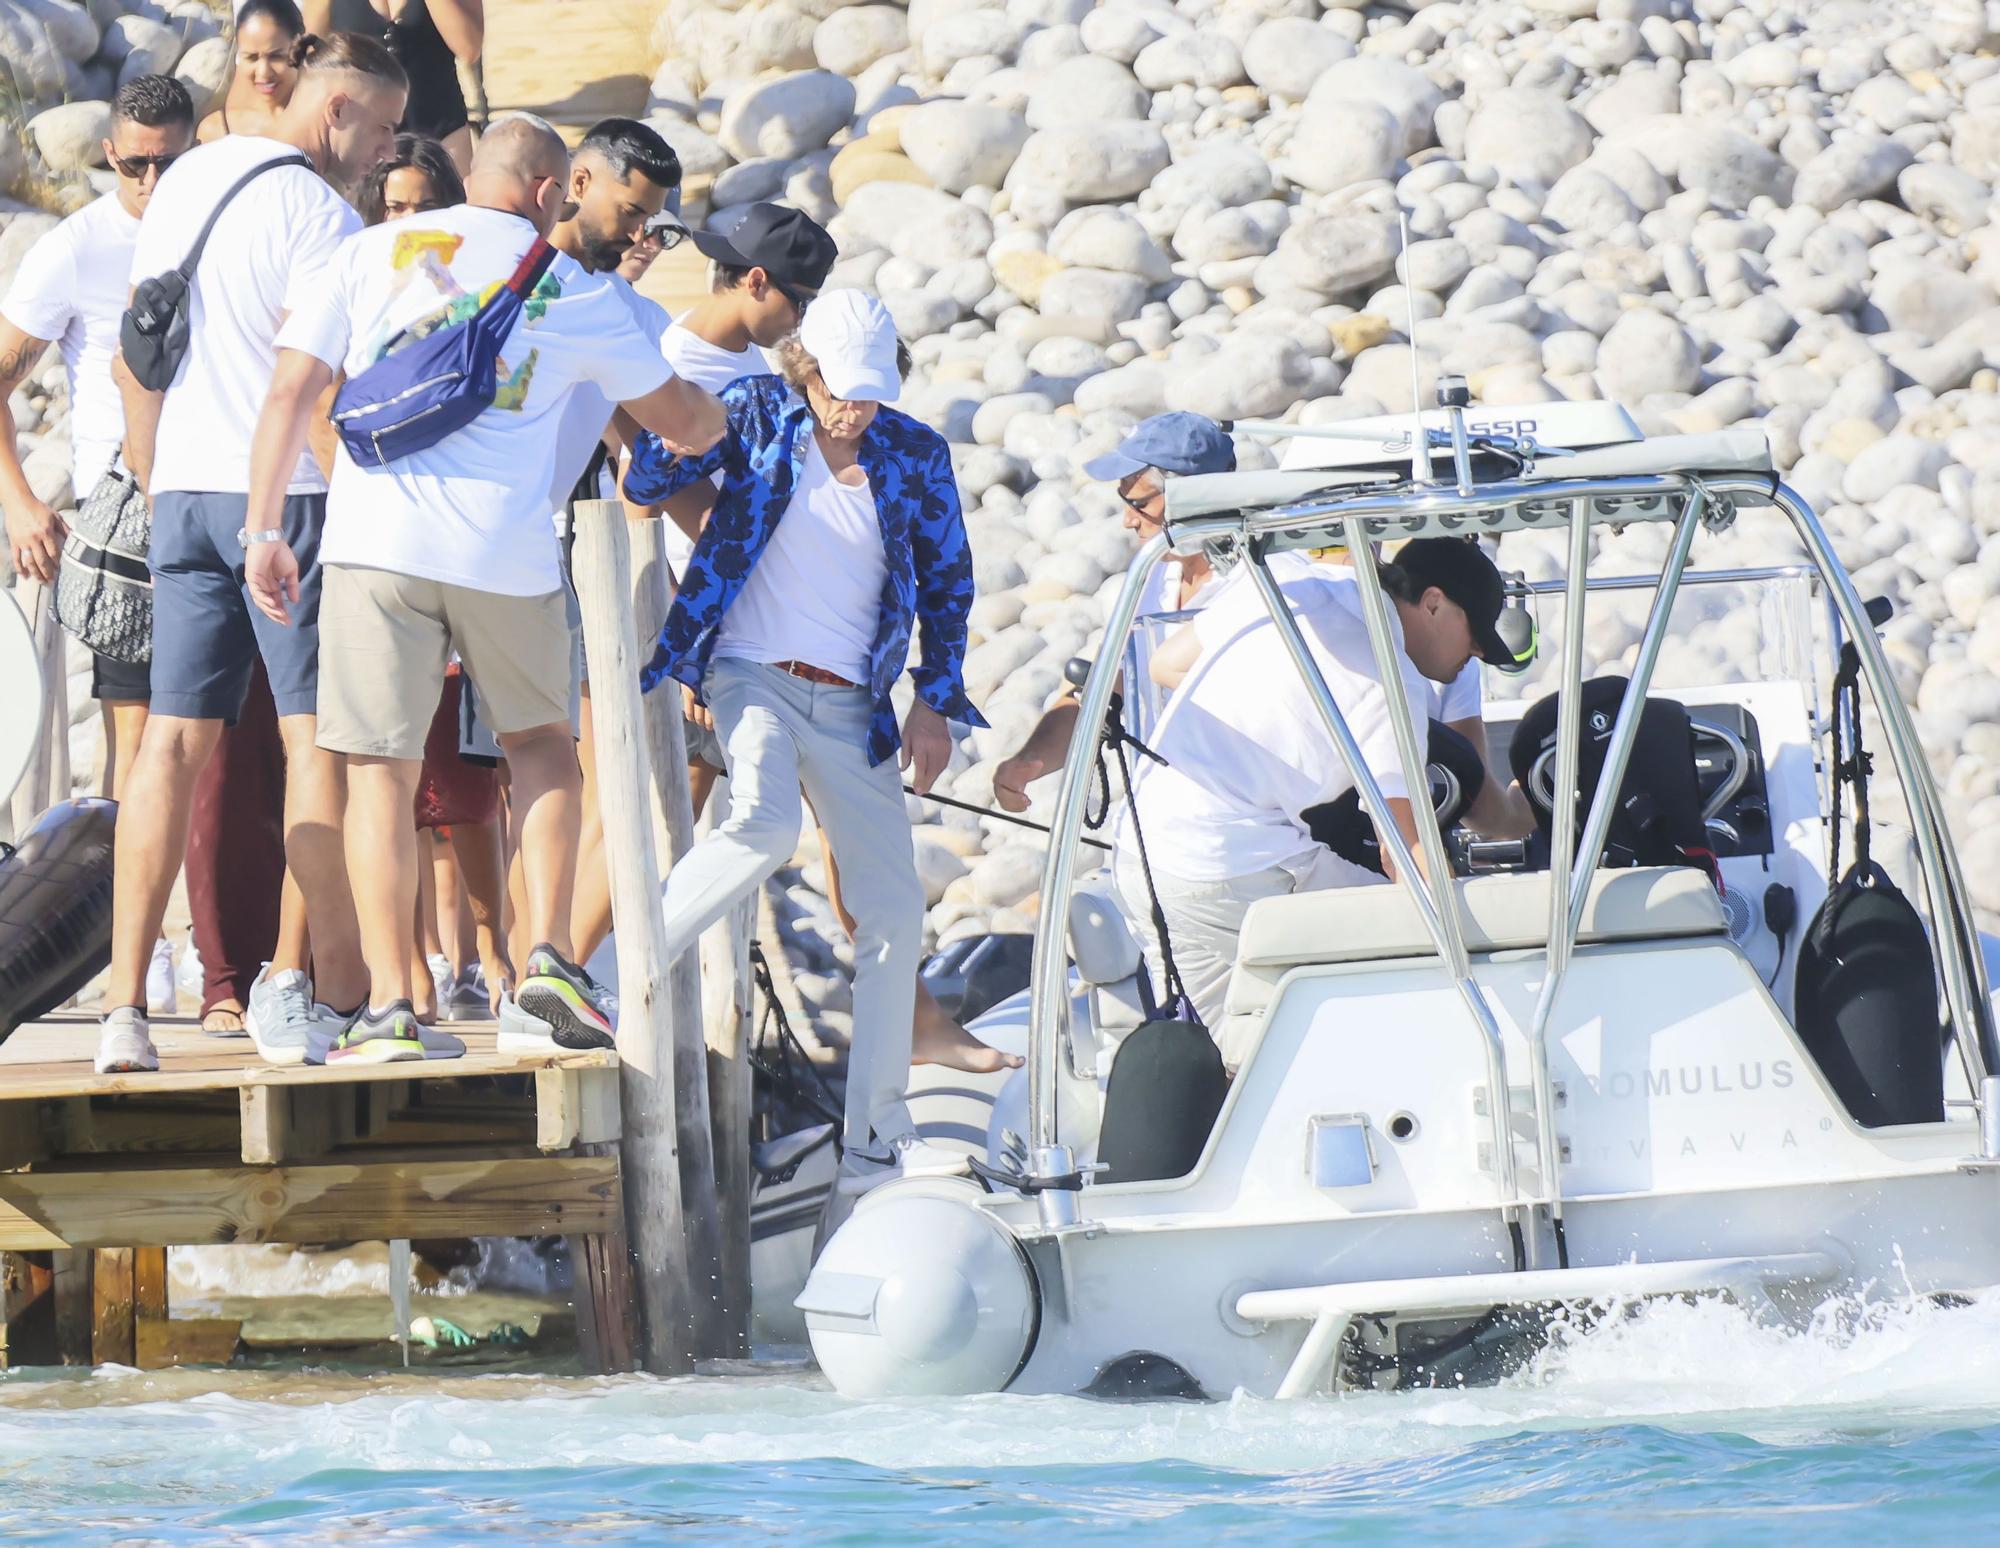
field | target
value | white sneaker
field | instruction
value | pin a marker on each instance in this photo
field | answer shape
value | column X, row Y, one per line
column 280, row 1015
column 125, row 1045
column 441, row 975
column 161, row 997
column 907, row 1156
column 191, row 975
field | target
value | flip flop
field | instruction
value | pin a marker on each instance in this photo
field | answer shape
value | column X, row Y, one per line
column 209, row 1018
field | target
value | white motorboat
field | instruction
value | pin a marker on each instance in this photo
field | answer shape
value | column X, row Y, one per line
column 1555, row 1086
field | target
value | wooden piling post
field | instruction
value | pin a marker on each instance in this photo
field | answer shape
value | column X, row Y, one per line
column 46, row 780
column 720, row 1237
column 652, row 1149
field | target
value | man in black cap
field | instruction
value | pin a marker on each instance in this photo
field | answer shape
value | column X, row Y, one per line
column 1247, row 754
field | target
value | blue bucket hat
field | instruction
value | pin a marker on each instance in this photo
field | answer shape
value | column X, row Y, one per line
column 1173, row 443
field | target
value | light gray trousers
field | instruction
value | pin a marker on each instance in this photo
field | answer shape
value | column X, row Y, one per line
column 778, row 732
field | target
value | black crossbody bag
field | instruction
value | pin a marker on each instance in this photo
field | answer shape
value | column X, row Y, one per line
column 153, row 336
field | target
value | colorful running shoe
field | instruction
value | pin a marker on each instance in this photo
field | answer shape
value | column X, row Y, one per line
column 379, row 1037
column 557, row 991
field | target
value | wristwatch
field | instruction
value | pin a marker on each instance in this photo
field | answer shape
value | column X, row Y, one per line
column 245, row 537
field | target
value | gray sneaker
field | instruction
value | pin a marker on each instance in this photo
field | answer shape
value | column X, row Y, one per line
column 522, row 1033
column 465, row 998
column 280, row 1015
column 125, row 1045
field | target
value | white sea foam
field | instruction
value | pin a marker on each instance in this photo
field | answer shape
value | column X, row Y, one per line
column 1890, row 1369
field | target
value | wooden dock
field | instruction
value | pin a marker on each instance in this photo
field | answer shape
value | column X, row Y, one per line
column 219, row 1147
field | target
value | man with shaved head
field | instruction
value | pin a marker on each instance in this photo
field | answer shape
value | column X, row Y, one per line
column 451, row 549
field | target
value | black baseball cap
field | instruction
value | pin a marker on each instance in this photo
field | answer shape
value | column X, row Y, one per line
column 787, row 244
column 1460, row 569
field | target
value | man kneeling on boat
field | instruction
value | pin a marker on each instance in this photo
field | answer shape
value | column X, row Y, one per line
column 1247, row 755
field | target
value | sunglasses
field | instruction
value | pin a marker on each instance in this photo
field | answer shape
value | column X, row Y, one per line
column 800, row 299
column 136, row 167
column 1141, row 503
column 664, row 229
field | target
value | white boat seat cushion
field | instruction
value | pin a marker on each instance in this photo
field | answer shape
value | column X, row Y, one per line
column 1500, row 913
column 1101, row 944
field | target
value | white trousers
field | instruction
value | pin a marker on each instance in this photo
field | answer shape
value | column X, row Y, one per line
column 778, row 732
column 1204, row 918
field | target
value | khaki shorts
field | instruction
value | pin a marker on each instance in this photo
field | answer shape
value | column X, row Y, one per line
column 384, row 640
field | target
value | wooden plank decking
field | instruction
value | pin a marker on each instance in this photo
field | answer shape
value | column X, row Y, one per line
column 52, row 1058
column 218, row 1146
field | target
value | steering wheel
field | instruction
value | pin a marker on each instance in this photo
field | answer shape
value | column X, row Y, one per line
column 1725, row 767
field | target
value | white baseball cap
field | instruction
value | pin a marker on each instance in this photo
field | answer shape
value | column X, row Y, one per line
column 852, row 336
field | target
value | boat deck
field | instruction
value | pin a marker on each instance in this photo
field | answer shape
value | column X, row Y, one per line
column 218, row 1146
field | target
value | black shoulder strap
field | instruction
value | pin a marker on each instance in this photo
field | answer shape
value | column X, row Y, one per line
column 235, row 188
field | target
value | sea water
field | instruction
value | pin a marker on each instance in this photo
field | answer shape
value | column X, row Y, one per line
column 1689, row 1424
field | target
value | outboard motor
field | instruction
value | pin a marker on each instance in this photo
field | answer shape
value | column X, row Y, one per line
column 1658, row 818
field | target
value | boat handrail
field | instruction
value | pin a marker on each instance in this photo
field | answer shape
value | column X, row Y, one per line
column 1373, row 516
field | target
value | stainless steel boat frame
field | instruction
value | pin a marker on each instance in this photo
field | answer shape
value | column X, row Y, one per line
column 1360, row 517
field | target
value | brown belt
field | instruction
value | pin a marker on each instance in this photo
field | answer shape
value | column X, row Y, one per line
column 812, row 674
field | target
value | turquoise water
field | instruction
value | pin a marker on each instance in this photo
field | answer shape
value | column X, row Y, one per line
column 1691, row 1425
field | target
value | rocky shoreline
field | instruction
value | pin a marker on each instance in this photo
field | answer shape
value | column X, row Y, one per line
column 1776, row 215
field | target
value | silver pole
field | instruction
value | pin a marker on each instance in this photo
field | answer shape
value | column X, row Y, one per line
column 1049, row 1011
column 1437, row 859
column 1450, row 947
column 1625, row 730
column 1964, row 980
column 1562, row 854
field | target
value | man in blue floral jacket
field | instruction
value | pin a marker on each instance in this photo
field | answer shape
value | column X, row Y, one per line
column 835, row 532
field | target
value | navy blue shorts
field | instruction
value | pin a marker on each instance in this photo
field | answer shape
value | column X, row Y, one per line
column 206, row 631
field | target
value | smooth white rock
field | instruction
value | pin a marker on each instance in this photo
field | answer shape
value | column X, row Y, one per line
column 959, row 145
column 1086, row 90
column 787, row 116
column 1088, row 163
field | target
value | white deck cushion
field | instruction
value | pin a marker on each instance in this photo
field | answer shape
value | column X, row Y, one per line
column 1499, row 913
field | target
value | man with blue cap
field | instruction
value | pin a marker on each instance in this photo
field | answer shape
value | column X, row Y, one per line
column 1166, row 444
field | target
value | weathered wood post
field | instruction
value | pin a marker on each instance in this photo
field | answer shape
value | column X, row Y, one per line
column 650, row 1149
column 725, row 967
column 706, row 1083
column 46, row 780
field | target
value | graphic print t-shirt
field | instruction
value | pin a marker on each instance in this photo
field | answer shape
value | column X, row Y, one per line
column 472, row 510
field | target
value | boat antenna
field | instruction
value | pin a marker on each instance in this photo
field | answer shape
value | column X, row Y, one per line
column 1420, row 452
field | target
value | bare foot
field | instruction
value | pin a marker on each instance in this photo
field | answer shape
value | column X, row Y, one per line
column 224, row 1020
column 938, row 1039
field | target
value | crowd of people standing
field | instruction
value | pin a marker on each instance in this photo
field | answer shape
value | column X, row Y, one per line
column 364, row 731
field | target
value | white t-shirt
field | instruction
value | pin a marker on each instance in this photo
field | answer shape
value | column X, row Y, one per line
column 711, row 367
column 472, row 510
column 265, row 258
column 816, row 592
column 589, row 411
column 72, row 288
column 1460, row 699
column 1246, row 752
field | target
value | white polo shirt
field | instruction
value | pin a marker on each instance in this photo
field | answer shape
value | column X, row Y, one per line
column 1246, row 752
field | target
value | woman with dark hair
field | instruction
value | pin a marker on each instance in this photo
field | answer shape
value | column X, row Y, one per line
column 418, row 176
column 429, row 38
column 262, row 78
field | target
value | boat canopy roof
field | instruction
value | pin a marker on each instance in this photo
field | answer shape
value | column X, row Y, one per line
column 1514, row 484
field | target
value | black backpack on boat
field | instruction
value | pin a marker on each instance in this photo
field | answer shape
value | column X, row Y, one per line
column 1866, row 1000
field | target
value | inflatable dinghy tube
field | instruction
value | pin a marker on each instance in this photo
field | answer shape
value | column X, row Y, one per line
column 55, row 909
